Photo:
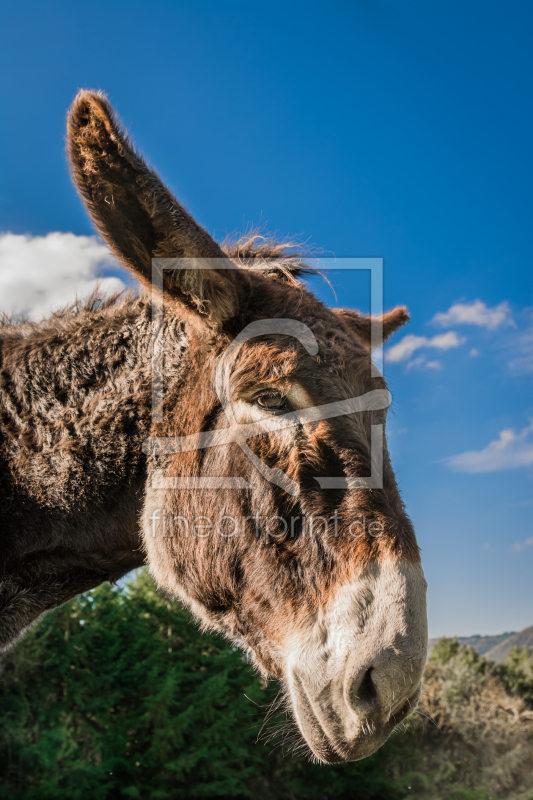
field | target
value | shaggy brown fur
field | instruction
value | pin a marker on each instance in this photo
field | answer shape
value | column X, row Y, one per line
column 75, row 409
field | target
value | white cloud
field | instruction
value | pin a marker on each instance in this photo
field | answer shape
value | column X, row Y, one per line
column 41, row 273
column 518, row 546
column 476, row 313
column 421, row 363
column 417, row 362
column 405, row 348
column 474, row 352
column 509, row 451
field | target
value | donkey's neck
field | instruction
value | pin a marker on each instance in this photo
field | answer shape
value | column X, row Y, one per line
column 75, row 407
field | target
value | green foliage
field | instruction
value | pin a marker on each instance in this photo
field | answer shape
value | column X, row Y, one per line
column 117, row 694
column 443, row 650
column 462, row 667
column 517, row 672
column 447, row 650
column 483, row 744
column 465, row 667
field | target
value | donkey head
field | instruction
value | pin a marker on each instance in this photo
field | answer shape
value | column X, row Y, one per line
column 260, row 513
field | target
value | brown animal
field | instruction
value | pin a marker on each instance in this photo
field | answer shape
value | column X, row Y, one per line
column 322, row 587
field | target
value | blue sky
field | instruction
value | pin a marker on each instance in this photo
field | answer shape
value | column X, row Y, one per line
column 392, row 129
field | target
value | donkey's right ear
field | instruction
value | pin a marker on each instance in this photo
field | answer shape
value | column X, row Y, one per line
column 138, row 216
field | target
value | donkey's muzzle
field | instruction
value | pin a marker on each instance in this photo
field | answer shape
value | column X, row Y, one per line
column 350, row 722
column 355, row 672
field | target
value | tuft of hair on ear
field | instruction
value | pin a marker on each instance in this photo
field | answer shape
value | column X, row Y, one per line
column 361, row 326
column 283, row 261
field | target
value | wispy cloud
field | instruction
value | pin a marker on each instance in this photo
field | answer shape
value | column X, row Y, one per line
column 405, row 348
column 509, row 451
column 476, row 313
column 41, row 273
column 421, row 363
column 521, row 363
column 518, row 546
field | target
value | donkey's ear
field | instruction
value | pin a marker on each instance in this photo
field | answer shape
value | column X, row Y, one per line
column 138, row 216
column 362, row 326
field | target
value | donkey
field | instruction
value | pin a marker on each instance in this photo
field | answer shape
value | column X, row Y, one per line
column 320, row 584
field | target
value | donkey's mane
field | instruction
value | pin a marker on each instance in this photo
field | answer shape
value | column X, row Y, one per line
column 253, row 249
column 96, row 304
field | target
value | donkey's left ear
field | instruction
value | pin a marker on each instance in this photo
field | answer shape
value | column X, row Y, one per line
column 362, row 326
column 139, row 217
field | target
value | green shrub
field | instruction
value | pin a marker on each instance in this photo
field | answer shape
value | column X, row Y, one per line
column 517, row 672
column 117, row 694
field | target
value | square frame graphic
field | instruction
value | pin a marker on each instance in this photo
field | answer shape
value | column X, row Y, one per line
column 160, row 445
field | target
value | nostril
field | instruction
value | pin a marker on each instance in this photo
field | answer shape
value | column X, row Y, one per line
column 363, row 694
column 367, row 688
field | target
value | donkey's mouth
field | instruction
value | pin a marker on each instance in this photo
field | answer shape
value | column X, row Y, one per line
column 334, row 736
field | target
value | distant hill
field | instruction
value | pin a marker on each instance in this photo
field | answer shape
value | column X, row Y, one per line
column 481, row 643
column 502, row 649
column 495, row 647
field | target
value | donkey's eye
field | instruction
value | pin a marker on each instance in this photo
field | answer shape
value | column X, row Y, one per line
column 272, row 401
